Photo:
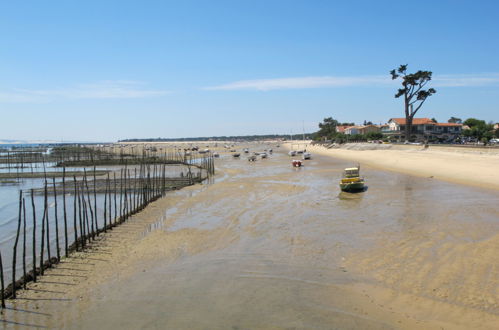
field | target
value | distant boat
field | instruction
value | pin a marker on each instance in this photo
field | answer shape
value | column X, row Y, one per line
column 292, row 153
column 236, row 155
column 252, row 158
column 246, row 150
column 216, row 154
column 263, row 155
column 351, row 181
column 306, row 155
column 296, row 163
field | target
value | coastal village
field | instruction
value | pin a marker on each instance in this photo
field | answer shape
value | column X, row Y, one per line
column 423, row 130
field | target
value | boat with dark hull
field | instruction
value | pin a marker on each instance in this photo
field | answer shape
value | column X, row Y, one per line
column 351, row 181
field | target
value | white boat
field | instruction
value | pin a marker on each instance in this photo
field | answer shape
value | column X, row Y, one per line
column 306, row 155
column 292, row 153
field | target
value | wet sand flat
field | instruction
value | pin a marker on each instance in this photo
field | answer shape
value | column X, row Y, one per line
column 268, row 246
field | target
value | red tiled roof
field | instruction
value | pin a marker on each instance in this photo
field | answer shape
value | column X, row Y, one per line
column 341, row 128
column 415, row 121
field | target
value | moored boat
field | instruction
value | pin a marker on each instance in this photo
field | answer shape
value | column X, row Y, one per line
column 296, row 163
column 307, row 155
column 351, row 181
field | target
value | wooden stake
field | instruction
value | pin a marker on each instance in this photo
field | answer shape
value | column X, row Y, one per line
column 66, row 252
column 24, row 244
column 34, row 234
column 2, row 288
column 14, row 252
column 57, row 246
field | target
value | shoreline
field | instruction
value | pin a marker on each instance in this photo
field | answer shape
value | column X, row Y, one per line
column 468, row 167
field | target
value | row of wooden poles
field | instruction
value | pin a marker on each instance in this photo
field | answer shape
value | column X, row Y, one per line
column 129, row 193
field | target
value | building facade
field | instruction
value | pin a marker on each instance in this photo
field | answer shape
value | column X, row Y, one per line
column 423, row 129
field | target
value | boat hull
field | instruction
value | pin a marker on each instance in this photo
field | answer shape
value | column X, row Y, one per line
column 352, row 186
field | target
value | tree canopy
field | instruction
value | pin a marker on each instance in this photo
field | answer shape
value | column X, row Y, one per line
column 327, row 128
column 479, row 129
column 455, row 120
column 413, row 92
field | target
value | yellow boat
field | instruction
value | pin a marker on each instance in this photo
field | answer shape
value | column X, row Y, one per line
column 351, row 180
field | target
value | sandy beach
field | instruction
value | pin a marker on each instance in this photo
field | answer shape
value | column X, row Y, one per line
column 475, row 167
column 267, row 246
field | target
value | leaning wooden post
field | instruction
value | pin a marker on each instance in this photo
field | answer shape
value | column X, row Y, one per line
column 2, row 288
column 95, row 203
column 125, row 196
column 90, row 207
column 121, row 195
column 115, row 202
column 105, row 209
column 109, row 196
column 82, row 232
column 66, row 252
column 47, row 229
column 130, row 192
column 34, row 234
column 24, row 244
column 14, row 252
column 57, row 246
column 85, row 217
column 76, row 199
column 134, row 206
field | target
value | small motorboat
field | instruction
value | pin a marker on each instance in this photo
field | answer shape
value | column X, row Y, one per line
column 296, row 163
column 246, row 150
column 252, row 158
column 216, row 155
column 236, row 155
column 263, row 155
column 306, row 156
column 351, row 181
column 292, row 153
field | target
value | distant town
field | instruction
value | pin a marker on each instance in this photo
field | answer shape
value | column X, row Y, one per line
column 422, row 130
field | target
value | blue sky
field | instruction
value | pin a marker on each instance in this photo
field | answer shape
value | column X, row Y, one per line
column 108, row 70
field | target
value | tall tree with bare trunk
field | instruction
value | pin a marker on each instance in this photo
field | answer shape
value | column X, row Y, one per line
column 413, row 91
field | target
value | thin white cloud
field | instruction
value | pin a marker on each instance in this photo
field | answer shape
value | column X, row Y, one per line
column 466, row 80
column 302, row 82
column 110, row 89
column 353, row 81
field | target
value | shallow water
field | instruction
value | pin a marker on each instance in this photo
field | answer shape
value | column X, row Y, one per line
column 9, row 212
column 271, row 246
